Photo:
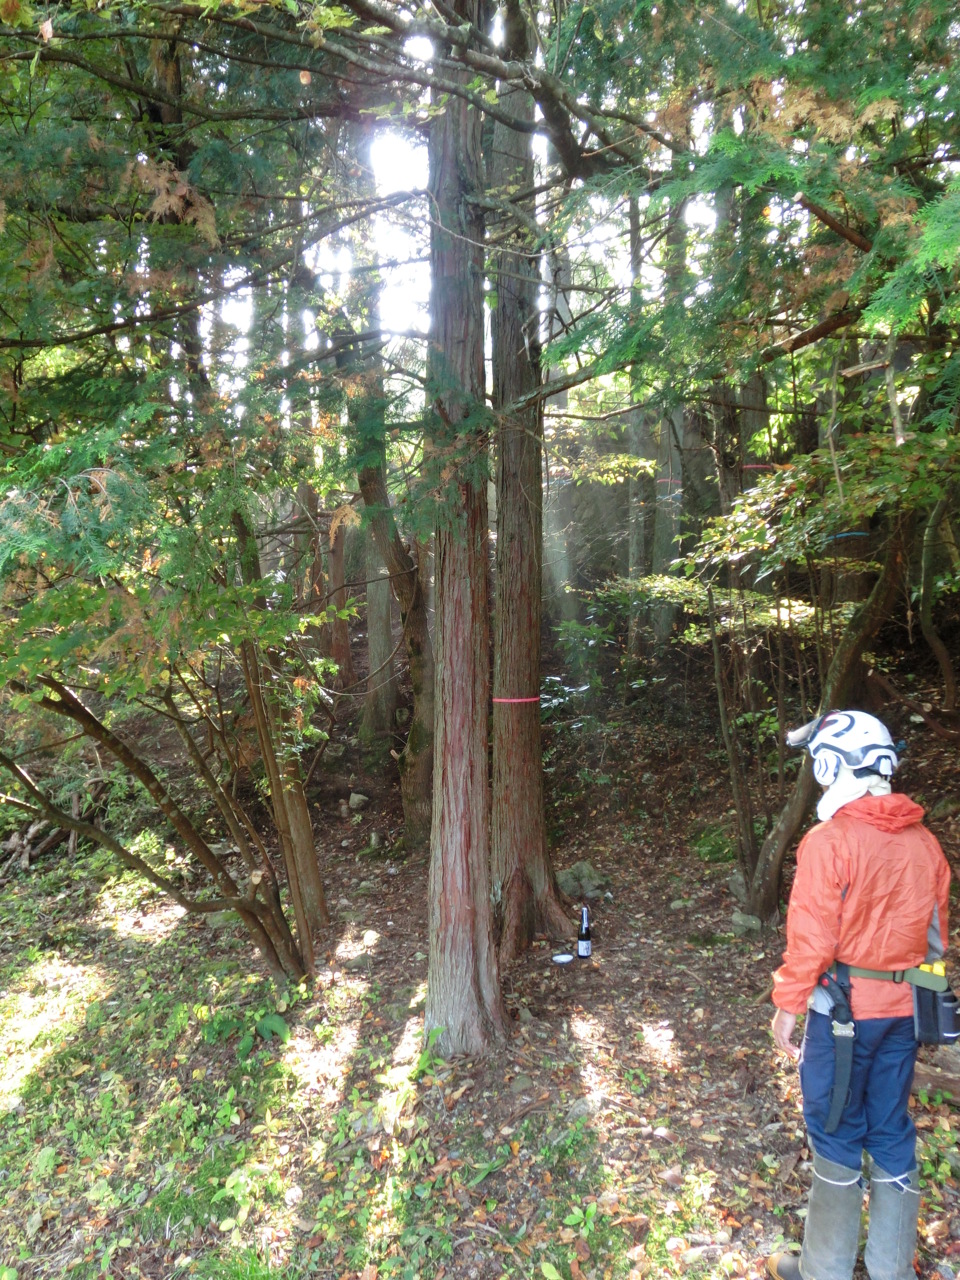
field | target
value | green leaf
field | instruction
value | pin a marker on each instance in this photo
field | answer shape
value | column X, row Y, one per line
column 273, row 1025
column 484, row 1171
column 43, row 1164
column 550, row 1271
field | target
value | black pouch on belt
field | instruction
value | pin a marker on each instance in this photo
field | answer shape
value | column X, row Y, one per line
column 936, row 1016
column 837, row 987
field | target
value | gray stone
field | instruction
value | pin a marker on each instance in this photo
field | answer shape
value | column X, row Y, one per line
column 738, row 886
column 702, row 1253
column 521, row 1084
column 581, row 1109
column 358, row 801
column 358, row 963
column 583, row 880
column 744, row 923
column 524, row 1015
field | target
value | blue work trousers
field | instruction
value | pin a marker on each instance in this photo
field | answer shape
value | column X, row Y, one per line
column 875, row 1118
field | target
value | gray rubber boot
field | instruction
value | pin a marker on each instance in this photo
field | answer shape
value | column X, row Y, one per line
column 892, row 1233
column 832, row 1232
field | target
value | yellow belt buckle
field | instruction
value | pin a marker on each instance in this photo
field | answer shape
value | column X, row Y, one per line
column 938, row 968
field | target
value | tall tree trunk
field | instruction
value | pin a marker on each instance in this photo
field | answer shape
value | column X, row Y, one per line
column 380, row 704
column 560, row 554
column 666, row 527
column 463, row 989
column 416, row 759
column 641, row 495
column 669, row 467
column 407, row 575
column 526, row 898
column 287, row 796
column 339, row 630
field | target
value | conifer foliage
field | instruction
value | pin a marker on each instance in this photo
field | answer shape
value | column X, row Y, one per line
column 746, row 222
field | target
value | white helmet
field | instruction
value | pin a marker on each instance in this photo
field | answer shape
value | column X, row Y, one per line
column 850, row 738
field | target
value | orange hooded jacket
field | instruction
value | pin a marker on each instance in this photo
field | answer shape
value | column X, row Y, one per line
column 871, row 890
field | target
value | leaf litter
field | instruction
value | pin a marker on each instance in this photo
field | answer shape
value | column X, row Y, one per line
column 163, row 1113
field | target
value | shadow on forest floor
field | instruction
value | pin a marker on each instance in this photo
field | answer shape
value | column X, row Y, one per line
column 156, row 1121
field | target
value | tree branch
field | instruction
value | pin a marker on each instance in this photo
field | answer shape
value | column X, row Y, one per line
column 808, row 336
column 92, row 832
column 828, row 220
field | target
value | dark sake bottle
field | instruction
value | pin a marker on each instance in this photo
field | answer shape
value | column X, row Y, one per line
column 584, row 945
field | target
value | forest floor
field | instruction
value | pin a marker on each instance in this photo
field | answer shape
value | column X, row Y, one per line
column 164, row 1113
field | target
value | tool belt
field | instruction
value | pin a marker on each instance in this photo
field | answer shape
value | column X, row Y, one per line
column 931, row 977
column 936, row 1017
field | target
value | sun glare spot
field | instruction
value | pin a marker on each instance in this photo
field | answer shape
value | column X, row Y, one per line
column 50, row 996
column 323, row 1061
column 419, row 47
column 593, row 1078
column 658, row 1044
column 408, row 1046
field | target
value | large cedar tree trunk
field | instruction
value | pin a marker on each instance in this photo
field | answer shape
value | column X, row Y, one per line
column 416, row 759
column 526, row 898
column 463, row 988
column 406, row 573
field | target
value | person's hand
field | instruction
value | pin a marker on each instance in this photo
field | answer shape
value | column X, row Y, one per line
column 784, row 1025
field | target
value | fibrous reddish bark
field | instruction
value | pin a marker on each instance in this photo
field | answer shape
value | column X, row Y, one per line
column 526, row 898
column 463, row 990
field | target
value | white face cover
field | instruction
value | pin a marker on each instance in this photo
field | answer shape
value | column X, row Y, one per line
column 847, row 787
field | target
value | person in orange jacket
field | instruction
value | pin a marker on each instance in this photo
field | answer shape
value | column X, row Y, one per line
column 870, row 892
